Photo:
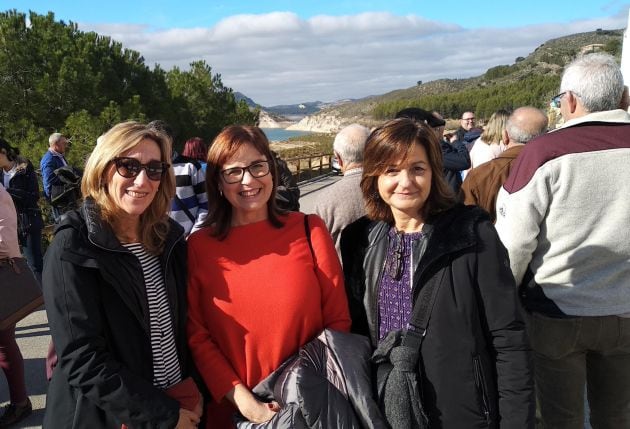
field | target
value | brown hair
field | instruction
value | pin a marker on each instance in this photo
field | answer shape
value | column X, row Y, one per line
column 118, row 140
column 224, row 146
column 196, row 149
column 389, row 144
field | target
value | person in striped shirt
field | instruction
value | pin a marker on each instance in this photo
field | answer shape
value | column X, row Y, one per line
column 115, row 293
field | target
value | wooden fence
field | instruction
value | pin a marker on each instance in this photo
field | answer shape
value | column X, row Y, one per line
column 308, row 167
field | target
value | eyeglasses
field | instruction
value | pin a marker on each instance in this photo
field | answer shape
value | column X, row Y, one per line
column 468, row 119
column 555, row 101
column 131, row 167
column 235, row 175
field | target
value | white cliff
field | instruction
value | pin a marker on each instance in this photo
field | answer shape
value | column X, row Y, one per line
column 266, row 120
column 318, row 123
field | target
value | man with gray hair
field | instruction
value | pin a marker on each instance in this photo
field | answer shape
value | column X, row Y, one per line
column 564, row 216
column 482, row 183
column 62, row 194
column 342, row 203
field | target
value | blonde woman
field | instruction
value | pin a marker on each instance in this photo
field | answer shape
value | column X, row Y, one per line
column 490, row 144
column 114, row 286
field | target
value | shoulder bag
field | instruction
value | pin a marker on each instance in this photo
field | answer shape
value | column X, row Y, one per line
column 398, row 378
column 20, row 293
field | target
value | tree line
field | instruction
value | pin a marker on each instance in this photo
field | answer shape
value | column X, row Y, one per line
column 484, row 100
column 55, row 78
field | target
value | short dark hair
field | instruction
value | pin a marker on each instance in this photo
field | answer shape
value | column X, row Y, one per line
column 421, row 115
column 224, row 146
column 387, row 145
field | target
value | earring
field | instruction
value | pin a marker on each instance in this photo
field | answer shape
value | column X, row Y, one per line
column 221, row 192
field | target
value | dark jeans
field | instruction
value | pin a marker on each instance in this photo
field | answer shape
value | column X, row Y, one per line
column 572, row 353
column 33, row 247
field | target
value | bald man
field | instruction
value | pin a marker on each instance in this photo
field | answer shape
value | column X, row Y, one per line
column 483, row 183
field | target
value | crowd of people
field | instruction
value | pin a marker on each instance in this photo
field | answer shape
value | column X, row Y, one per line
column 488, row 272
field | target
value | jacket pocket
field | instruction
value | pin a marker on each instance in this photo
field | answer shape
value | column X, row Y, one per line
column 480, row 383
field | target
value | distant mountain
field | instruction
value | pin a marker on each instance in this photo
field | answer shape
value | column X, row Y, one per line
column 288, row 110
column 301, row 109
column 240, row 96
column 529, row 80
column 546, row 60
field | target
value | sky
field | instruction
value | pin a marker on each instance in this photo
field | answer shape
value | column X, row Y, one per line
column 289, row 52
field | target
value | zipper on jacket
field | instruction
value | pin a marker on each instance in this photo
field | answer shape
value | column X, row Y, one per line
column 480, row 381
column 375, row 310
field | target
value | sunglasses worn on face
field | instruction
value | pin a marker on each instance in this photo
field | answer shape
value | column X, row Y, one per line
column 235, row 175
column 131, row 167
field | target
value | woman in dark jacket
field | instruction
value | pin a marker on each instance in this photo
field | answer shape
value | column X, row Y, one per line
column 115, row 292
column 20, row 180
column 475, row 358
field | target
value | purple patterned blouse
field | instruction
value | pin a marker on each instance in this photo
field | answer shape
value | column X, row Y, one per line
column 394, row 295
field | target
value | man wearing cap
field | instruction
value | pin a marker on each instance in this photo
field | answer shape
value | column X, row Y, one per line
column 564, row 216
column 51, row 161
column 455, row 156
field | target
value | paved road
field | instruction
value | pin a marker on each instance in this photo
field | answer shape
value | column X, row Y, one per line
column 309, row 190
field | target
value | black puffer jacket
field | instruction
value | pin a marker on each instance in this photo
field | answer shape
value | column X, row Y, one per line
column 475, row 356
column 99, row 320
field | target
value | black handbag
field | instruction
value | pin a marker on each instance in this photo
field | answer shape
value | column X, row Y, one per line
column 23, row 227
column 20, row 293
column 398, row 380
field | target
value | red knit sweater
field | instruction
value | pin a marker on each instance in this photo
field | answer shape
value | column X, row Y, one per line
column 255, row 298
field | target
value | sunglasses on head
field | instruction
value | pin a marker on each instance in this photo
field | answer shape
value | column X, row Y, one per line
column 131, row 167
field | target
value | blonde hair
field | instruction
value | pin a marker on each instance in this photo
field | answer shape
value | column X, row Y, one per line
column 121, row 138
column 493, row 131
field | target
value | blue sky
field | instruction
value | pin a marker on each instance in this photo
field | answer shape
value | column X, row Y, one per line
column 284, row 51
column 195, row 13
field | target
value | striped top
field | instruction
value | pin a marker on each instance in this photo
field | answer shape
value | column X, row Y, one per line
column 166, row 370
column 190, row 188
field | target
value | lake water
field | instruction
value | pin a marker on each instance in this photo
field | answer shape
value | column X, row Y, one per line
column 280, row 134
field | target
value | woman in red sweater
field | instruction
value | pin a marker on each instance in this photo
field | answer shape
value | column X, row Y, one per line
column 256, row 292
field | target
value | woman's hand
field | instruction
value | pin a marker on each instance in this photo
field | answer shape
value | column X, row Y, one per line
column 187, row 419
column 251, row 408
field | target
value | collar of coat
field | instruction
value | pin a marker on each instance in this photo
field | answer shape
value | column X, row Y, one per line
column 100, row 233
column 450, row 231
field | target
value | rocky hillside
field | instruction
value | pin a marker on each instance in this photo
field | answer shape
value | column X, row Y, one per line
column 546, row 60
column 270, row 120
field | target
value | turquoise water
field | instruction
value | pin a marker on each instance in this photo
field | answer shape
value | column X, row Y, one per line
column 280, row 134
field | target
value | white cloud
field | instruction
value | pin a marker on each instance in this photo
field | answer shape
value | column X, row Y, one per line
column 279, row 58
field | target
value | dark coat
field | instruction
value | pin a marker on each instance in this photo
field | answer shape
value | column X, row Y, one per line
column 476, row 356
column 24, row 189
column 99, row 320
column 455, row 159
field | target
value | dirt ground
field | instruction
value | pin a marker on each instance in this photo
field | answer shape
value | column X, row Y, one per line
column 289, row 145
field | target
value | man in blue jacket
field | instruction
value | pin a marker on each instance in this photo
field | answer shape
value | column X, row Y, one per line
column 51, row 161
